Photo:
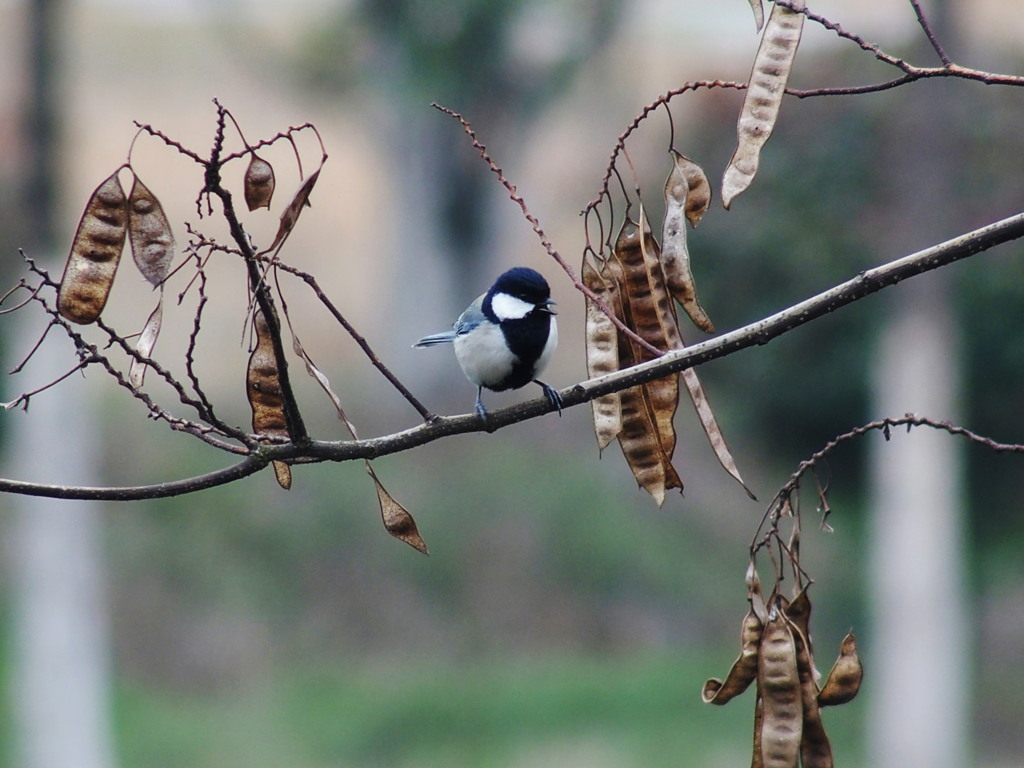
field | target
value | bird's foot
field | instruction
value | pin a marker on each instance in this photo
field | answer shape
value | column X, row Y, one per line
column 551, row 394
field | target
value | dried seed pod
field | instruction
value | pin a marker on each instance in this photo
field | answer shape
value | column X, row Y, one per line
column 779, row 684
column 259, row 183
column 744, row 670
column 147, row 340
column 263, row 387
column 758, row 9
column 675, row 255
column 757, row 761
column 815, row 749
column 95, row 254
column 843, row 681
column 711, row 428
column 150, row 233
column 651, row 315
column 290, row 215
column 602, row 351
column 767, row 85
column 397, row 520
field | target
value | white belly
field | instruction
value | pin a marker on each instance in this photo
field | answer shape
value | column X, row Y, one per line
column 484, row 358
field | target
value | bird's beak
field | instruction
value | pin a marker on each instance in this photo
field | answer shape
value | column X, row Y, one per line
column 547, row 305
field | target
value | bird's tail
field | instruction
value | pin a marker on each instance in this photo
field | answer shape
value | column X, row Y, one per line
column 435, row 338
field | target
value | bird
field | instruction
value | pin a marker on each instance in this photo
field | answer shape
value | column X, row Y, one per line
column 505, row 338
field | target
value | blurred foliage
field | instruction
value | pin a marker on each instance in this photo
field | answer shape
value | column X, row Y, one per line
column 579, row 710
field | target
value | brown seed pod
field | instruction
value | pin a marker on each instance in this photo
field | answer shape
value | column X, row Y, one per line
column 744, row 669
column 843, row 681
column 815, row 749
column 290, row 215
column 150, row 233
column 757, row 760
column 263, row 387
column 675, row 255
column 259, row 183
column 779, row 685
column 648, row 440
column 397, row 520
column 95, row 254
column 768, row 77
column 602, row 350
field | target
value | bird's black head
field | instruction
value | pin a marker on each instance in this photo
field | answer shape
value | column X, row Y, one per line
column 516, row 293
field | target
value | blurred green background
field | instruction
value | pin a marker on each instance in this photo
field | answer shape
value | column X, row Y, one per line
column 561, row 618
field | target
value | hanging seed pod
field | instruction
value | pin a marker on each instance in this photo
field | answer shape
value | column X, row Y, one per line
column 263, row 387
column 757, row 760
column 397, row 520
column 146, row 343
column 758, row 9
column 815, row 749
column 779, row 684
column 648, row 436
column 768, row 77
column 290, row 215
column 675, row 255
column 150, row 234
column 602, row 351
column 843, row 681
column 259, row 183
column 95, row 254
column 744, row 669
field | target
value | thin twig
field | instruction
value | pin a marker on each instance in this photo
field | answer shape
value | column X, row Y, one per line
column 517, row 198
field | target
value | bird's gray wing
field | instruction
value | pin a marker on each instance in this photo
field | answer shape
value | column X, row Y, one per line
column 471, row 318
column 468, row 320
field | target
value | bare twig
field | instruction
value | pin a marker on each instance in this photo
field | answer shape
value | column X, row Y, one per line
column 518, row 200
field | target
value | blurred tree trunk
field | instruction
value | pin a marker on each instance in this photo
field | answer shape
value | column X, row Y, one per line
column 920, row 707
column 60, row 643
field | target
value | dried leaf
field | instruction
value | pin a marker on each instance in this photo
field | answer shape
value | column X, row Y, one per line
column 147, row 340
column 768, row 78
column 150, row 233
column 95, row 254
column 744, row 669
column 843, row 681
column 397, row 520
column 290, row 215
column 263, row 387
column 259, row 183
column 778, row 682
column 711, row 428
column 758, row 9
column 602, row 351
column 675, row 255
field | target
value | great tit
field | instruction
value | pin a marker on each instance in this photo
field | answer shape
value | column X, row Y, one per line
column 506, row 337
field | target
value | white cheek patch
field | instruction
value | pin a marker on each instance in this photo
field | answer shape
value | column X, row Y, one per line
column 508, row 307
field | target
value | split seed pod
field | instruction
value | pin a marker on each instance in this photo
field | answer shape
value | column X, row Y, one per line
column 675, row 255
column 150, row 233
column 744, row 669
column 263, row 387
column 259, row 183
column 95, row 254
column 768, row 77
column 843, row 682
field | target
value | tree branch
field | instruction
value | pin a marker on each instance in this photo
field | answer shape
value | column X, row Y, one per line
column 756, row 333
